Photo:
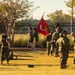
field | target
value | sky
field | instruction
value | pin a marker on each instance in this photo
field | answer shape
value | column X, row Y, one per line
column 48, row 7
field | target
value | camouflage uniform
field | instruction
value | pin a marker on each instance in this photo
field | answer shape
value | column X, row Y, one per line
column 31, row 35
column 55, row 36
column 66, row 48
column 64, row 45
column 73, row 34
column 35, row 42
column 61, row 43
column 32, row 39
column 35, row 35
column 49, row 36
column 4, row 49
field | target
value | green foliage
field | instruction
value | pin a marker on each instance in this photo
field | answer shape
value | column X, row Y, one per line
column 69, row 3
column 14, row 9
column 59, row 17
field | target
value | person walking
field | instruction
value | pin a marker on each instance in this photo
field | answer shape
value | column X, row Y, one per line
column 31, row 39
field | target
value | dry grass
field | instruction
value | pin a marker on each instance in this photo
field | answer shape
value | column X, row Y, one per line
column 21, row 40
column 71, row 38
column 21, row 36
column 43, row 65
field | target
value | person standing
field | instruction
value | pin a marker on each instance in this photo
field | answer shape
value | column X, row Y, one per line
column 73, row 34
column 64, row 45
column 4, row 49
column 66, row 48
column 55, row 36
column 61, row 44
column 48, row 38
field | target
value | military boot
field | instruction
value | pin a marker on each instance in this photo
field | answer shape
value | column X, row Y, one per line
column 7, row 62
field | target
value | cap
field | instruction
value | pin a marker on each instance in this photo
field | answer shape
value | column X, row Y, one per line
column 64, row 32
column 4, row 36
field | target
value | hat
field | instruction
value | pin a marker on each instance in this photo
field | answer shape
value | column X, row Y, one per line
column 64, row 32
column 4, row 36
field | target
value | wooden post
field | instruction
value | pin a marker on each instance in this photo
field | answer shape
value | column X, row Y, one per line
column 72, row 17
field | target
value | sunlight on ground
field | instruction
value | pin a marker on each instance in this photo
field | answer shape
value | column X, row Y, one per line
column 43, row 65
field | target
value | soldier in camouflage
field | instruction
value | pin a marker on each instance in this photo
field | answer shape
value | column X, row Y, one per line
column 63, row 44
column 48, row 39
column 55, row 36
column 66, row 48
column 60, row 43
column 4, row 49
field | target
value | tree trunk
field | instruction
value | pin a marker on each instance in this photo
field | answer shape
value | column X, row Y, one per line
column 13, row 31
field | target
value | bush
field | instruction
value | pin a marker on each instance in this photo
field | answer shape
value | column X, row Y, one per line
column 21, row 40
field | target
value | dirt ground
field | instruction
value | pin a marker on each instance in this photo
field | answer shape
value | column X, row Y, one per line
column 41, row 63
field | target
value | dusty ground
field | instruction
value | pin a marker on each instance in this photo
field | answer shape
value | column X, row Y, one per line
column 43, row 65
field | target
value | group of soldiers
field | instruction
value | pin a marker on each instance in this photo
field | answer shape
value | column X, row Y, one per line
column 59, row 43
column 5, row 44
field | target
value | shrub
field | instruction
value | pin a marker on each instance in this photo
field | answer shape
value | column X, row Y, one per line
column 20, row 40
